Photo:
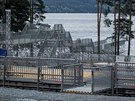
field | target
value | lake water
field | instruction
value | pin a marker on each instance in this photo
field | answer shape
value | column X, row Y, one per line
column 80, row 25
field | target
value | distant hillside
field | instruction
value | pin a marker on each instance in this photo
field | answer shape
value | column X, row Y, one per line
column 71, row 6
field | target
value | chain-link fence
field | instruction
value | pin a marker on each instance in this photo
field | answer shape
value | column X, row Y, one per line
column 92, row 58
column 101, row 79
column 98, row 79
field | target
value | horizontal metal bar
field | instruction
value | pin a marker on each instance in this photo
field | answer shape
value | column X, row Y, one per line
column 38, row 58
column 126, row 78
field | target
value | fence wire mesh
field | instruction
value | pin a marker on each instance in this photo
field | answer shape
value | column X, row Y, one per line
column 102, row 78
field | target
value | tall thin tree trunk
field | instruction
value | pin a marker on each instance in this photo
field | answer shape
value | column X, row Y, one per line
column 99, row 13
column 101, row 7
column 115, row 32
column 17, row 18
column 98, row 27
column 31, row 21
column 31, row 11
column 118, row 37
column 130, row 18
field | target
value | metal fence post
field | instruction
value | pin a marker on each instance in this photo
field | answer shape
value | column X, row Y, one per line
column 62, row 78
column 74, row 75
column 4, row 73
column 81, row 73
column 115, row 77
column 38, row 80
column 38, row 75
column 112, row 79
column 92, row 81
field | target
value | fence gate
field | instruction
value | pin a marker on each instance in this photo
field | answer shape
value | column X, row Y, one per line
column 43, row 73
column 125, row 75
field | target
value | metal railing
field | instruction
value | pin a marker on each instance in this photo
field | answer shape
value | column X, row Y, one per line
column 68, row 72
column 90, row 57
column 64, row 72
column 125, row 75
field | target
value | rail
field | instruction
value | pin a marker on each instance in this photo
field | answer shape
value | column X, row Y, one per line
column 38, row 72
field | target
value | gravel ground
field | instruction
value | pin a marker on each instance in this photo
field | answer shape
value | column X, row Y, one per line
column 11, row 94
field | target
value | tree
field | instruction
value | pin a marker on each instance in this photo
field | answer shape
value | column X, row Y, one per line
column 100, row 6
column 118, row 37
column 0, row 9
column 115, row 31
column 130, row 22
column 99, row 12
column 123, row 23
column 39, row 6
column 37, row 10
column 19, row 14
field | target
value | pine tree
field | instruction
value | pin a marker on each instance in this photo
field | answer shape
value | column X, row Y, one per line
column 39, row 6
column 0, row 9
column 100, row 10
column 125, row 22
column 37, row 10
column 115, row 31
column 19, row 14
column 130, row 23
column 122, row 24
column 2, row 12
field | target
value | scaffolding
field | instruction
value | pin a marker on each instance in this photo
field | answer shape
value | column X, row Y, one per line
column 9, row 42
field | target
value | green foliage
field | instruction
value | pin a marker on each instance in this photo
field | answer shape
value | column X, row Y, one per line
column 107, row 22
column 124, row 28
column 19, row 14
column 38, row 10
column 124, row 20
column 39, row 6
column 0, row 9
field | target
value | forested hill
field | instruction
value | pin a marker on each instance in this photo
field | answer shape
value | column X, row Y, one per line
column 71, row 6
